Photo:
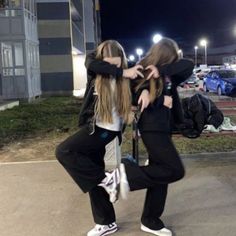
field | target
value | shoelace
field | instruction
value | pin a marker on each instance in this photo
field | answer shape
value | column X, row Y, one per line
column 99, row 227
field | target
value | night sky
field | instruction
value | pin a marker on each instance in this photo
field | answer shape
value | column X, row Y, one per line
column 133, row 22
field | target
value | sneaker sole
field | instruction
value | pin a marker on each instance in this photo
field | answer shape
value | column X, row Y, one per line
column 155, row 232
column 117, row 191
column 111, row 231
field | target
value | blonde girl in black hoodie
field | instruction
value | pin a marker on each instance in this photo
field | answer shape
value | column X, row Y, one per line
column 106, row 107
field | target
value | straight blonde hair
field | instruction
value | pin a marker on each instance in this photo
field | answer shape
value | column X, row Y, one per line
column 121, row 97
column 161, row 53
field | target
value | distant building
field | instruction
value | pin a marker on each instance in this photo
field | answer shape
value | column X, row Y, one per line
column 230, row 60
column 19, row 62
column 215, row 56
column 67, row 29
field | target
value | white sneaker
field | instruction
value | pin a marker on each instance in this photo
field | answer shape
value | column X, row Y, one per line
column 161, row 232
column 112, row 185
column 124, row 184
column 102, row 230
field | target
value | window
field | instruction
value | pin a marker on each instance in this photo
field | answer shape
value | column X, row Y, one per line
column 13, row 59
column 15, row 3
column 19, row 71
column 4, row 3
column 19, row 59
column 7, row 57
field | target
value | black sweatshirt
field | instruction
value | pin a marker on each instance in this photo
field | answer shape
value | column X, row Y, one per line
column 157, row 117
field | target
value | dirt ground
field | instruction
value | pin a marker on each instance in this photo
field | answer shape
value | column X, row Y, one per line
column 32, row 149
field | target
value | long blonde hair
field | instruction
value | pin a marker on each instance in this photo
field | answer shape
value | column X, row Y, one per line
column 161, row 53
column 121, row 97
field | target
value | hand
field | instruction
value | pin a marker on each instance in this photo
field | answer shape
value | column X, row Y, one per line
column 168, row 101
column 154, row 72
column 133, row 72
column 113, row 60
column 144, row 99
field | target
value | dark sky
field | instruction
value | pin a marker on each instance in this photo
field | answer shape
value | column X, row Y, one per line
column 133, row 22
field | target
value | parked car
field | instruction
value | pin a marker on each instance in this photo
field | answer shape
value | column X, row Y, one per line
column 201, row 73
column 221, row 82
column 192, row 81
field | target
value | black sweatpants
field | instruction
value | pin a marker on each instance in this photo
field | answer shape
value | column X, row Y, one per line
column 82, row 155
column 165, row 166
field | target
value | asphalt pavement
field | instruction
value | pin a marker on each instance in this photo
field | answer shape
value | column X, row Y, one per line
column 40, row 199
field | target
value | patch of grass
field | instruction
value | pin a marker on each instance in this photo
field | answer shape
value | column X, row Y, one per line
column 60, row 114
column 44, row 116
column 218, row 143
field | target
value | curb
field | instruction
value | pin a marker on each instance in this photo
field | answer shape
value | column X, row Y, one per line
column 211, row 155
column 215, row 155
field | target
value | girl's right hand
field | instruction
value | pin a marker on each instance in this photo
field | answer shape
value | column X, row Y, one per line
column 168, row 101
column 133, row 72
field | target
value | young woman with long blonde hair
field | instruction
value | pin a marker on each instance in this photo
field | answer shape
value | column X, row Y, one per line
column 106, row 107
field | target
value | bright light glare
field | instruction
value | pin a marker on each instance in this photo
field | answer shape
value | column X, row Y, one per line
column 156, row 38
column 131, row 57
column 139, row 51
column 203, row 42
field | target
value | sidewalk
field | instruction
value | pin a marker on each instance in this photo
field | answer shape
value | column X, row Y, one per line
column 40, row 199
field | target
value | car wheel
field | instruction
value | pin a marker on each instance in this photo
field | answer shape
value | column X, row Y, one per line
column 205, row 88
column 219, row 91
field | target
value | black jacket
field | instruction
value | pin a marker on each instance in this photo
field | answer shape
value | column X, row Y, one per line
column 157, row 117
column 94, row 67
column 198, row 112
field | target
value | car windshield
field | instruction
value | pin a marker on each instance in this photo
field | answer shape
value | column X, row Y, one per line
column 228, row 74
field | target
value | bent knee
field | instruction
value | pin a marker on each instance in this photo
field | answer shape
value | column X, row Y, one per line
column 179, row 173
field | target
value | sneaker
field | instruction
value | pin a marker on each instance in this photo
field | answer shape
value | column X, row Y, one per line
column 124, row 184
column 101, row 230
column 160, row 232
column 111, row 185
column 226, row 125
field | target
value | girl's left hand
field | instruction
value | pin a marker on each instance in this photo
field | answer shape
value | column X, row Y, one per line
column 144, row 99
column 154, row 72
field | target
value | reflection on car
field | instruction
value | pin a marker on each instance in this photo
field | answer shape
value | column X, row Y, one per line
column 192, row 81
column 221, row 82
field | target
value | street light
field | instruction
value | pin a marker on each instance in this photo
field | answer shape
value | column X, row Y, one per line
column 196, row 48
column 204, row 43
column 131, row 57
column 181, row 53
column 156, row 38
column 139, row 52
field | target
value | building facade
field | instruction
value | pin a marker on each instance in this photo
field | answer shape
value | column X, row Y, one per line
column 67, row 29
column 43, row 45
column 19, row 47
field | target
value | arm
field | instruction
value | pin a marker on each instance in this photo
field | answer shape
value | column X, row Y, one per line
column 101, row 67
column 110, row 66
column 178, row 71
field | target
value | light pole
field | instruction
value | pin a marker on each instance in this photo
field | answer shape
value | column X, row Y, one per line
column 139, row 52
column 156, row 38
column 203, row 43
column 196, row 48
